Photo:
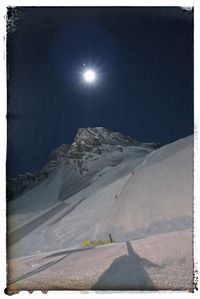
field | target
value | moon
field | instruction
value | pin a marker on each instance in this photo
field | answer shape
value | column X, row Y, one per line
column 89, row 76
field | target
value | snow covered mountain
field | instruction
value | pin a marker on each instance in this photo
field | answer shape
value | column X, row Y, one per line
column 88, row 146
column 105, row 183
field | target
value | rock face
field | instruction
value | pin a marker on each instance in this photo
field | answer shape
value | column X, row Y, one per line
column 98, row 136
column 89, row 143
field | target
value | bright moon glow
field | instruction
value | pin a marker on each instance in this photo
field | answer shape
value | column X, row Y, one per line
column 89, row 76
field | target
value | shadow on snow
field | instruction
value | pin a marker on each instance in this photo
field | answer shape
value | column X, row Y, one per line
column 127, row 273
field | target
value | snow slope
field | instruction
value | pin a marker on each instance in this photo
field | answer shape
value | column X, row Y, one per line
column 156, row 198
column 159, row 262
column 145, row 195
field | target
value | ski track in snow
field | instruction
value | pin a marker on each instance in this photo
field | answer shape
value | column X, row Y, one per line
column 130, row 265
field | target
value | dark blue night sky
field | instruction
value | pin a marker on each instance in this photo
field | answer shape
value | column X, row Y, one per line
column 144, row 61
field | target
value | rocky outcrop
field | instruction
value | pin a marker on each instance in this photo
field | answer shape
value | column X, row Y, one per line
column 88, row 143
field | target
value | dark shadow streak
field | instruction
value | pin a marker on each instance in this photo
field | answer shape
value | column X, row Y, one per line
column 24, row 230
column 21, row 232
column 44, row 267
column 143, row 261
column 68, row 251
column 68, row 211
column 126, row 273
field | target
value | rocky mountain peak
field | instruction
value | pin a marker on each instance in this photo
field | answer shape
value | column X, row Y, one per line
column 89, row 143
column 97, row 136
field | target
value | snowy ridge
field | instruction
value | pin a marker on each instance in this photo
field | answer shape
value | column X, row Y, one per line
column 88, row 144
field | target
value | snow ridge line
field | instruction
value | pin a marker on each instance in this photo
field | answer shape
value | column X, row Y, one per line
column 124, row 186
column 133, row 173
